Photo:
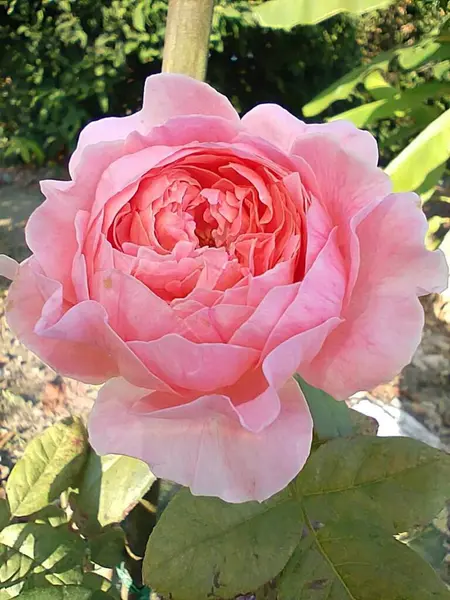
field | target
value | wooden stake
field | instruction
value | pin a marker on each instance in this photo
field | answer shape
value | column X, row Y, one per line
column 186, row 42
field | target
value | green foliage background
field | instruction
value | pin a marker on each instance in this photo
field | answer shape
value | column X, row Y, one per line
column 65, row 62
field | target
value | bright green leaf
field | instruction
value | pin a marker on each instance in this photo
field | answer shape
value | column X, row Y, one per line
column 417, row 55
column 345, row 86
column 376, row 84
column 70, row 592
column 370, row 113
column 51, row 463
column 107, row 549
column 286, row 14
column 28, row 548
column 429, row 150
column 402, row 481
column 5, row 514
column 353, row 560
column 110, row 487
column 204, row 547
column 139, row 17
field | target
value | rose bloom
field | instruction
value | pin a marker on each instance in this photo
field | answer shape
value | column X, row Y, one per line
column 195, row 261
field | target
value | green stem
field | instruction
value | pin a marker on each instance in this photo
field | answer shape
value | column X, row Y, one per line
column 187, row 37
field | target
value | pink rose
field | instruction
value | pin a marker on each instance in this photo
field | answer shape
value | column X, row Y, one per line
column 199, row 260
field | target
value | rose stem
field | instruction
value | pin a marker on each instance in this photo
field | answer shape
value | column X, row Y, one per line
column 187, row 37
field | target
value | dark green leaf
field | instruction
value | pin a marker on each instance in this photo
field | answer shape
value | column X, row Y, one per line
column 430, row 544
column 5, row 514
column 402, row 481
column 110, row 487
column 107, row 549
column 331, row 418
column 204, row 547
column 70, row 592
column 51, row 463
column 53, row 515
column 101, row 587
column 353, row 560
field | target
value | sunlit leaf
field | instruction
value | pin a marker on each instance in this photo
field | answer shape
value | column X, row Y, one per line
column 286, row 14
column 345, row 86
column 111, row 485
column 407, row 101
column 51, row 463
column 376, row 84
column 28, row 548
column 429, row 150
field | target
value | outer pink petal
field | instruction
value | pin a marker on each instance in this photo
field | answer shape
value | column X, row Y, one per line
column 275, row 124
column 355, row 141
column 25, row 305
column 198, row 367
column 165, row 96
column 384, row 319
column 78, row 343
column 168, row 95
column 8, row 267
column 281, row 128
column 205, row 444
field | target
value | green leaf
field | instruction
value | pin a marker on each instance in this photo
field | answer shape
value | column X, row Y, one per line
column 139, row 17
column 107, row 549
column 345, row 86
column 372, row 112
column 204, row 547
column 417, row 55
column 70, row 592
column 378, row 87
column 28, row 548
column 429, row 150
column 110, row 487
column 430, row 543
column 353, row 560
column 102, row 587
column 331, row 418
column 403, row 482
column 51, row 463
column 53, row 515
column 5, row 513
column 286, row 14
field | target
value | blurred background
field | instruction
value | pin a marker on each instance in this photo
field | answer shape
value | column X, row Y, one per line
column 66, row 62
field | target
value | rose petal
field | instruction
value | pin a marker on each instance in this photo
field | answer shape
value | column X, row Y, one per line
column 384, row 320
column 8, row 267
column 185, row 364
column 168, row 95
column 203, row 444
